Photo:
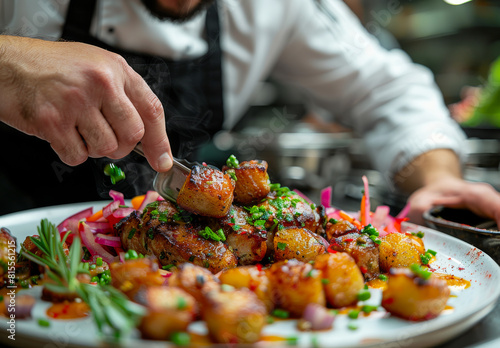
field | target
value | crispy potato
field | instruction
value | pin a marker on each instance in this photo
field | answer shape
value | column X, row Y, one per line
column 398, row 250
column 298, row 243
column 194, row 280
column 235, row 317
column 411, row 297
column 252, row 184
column 251, row 277
column 131, row 275
column 169, row 310
column 207, row 192
column 362, row 249
column 294, row 285
column 342, row 278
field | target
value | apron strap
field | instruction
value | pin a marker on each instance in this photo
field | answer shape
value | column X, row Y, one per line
column 79, row 16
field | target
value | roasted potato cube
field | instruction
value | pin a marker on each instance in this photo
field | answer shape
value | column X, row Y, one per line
column 399, row 250
column 294, row 285
column 298, row 243
column 342, row 280
column 413, row 298
column 131, row 275
column 194, row 280
column 362, row 249
column 169, row 310
column 207, row 192
column 252, row 181
column 235, row 316
column 251, row 277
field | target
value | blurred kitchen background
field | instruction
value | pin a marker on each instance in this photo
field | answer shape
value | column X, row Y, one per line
column 457, row 39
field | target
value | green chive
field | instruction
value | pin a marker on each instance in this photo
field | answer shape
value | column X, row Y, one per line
column 281, row 246
column 280, row 313
column 180, row 338
column 43, row 322
column 364, row 295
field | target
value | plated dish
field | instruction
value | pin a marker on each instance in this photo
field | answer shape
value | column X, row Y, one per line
column 454, row 257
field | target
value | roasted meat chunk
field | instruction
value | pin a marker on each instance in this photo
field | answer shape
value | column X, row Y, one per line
column 337, row 228
column 252, row 181
column 362, row 249
column 234, row 317
column 207, row 192
column 164, row 233
column 195, row 280
column 247, row 242
column 298, row 243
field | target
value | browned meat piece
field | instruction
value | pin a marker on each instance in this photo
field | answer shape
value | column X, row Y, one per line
column 252, row 184
column 207, row 192
column 234, row 317
column 339, row 228
column 195, row 280
column 169, row 310
column 130, row 276
column 295, row 284
column 247, row 242
column 399, row 250
column 285, row 208
column 164, row 234
column 298, row 243
column 363, row 250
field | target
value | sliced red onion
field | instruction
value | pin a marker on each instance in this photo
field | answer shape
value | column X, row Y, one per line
column 93, row 247
column 150, row 197
column 402, row 214
column 110, row 208
column 111, row 241
column 326, row 197
column 24, row 305
column 303, row 196
column 119, row 214
column 379, row 217
column 63, row 226
column 318, row 316
column 160, row 198
column 99, row 226
column 117, row 196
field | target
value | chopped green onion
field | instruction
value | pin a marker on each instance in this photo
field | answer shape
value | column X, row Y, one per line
column 280, row 313
column 353, row 314
column 420, row 271
column 232, row 162
column 115, row 173
column 131, row 255
column 418, row 234
column 325, row 281
column 292, row 340
column 181, row 303
column 167, row 267
column 368, row 309
column 131, row 233
column 383, row 277
column 352, row 325
column 281, row 246
column 98, row 261
column 180, row 338
column 43, row 322
column 364, row 295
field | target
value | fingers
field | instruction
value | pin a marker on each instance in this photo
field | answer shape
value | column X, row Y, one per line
column 99, row 136
column 155, row 141
column 69, row 146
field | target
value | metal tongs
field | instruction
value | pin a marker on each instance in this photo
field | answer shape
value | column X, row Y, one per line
column 168, row 184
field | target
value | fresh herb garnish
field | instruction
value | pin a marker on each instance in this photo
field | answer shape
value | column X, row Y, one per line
column 110, row 308
column 232, row 162
column 116, row 174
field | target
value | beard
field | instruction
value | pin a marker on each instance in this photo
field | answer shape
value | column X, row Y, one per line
column 178, row 16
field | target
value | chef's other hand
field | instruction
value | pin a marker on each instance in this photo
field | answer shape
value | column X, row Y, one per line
column 480, row 198
column 83, row 100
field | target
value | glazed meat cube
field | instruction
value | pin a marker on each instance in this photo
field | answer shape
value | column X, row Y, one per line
column 298, row 243
column 295, row 284
column 339, row 228
column 207, row 192
column 399, row 250
column 362, row 249
column 252, row 181
column 234, row 317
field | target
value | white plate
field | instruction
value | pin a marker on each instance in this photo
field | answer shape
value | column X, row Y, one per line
column 454, row 257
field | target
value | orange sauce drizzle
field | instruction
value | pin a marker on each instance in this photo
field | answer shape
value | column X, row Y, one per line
column 453, row 281
column 377, row 284
column 68, row 310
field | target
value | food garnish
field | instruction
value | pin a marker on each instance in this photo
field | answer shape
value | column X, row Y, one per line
column 115, row 173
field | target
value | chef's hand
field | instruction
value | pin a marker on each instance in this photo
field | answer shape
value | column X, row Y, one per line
column 83, row 100
column 435, row 179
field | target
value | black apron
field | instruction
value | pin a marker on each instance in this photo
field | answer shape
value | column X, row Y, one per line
column 190, row 91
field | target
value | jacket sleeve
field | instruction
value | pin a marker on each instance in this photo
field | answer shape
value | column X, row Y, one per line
column 382, row 95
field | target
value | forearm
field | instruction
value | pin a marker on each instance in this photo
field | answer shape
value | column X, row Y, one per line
column 428, row 168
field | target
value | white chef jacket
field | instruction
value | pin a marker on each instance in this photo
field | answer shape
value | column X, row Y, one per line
column 322, row 50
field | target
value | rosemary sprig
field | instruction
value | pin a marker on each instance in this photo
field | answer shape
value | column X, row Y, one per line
column 110, row 309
